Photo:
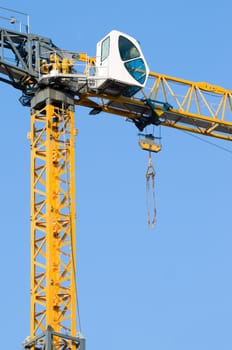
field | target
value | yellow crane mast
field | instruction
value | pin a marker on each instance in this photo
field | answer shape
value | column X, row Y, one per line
column 53, row 289
column 117, row 81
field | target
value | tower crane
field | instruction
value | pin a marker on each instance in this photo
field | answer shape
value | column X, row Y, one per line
column 117, row 81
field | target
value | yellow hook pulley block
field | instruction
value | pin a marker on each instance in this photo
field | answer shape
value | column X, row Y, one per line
column 148, row 143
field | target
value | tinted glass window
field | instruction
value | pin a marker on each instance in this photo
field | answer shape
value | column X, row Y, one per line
column 105, row 48
column 127, row 49
column 137, row 69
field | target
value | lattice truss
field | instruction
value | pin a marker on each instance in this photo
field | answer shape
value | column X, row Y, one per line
column 191, row 98
column 197, row 107
column 53, row 287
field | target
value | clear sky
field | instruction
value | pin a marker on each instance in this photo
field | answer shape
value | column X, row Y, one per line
column 169, row 288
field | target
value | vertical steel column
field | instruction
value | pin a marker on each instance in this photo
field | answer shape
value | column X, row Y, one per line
column 53, row 251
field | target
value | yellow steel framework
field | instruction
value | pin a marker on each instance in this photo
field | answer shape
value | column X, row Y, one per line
column 196, row 107
column 53, row 288
column 51, row 86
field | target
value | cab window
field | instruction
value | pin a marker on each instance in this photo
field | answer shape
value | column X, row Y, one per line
column 127, row 49
column 105, row 48
column 137, row 69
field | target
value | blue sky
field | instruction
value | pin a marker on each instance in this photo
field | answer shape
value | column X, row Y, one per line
column 166, row 288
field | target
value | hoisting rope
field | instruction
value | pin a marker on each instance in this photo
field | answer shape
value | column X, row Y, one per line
column 150, row 189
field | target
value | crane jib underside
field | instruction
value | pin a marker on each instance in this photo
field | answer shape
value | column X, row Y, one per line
column 137, row 110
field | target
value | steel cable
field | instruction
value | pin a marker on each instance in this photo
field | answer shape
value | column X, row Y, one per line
column 150, row 193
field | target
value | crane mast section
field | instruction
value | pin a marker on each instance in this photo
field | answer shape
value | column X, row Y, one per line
column 53, row 257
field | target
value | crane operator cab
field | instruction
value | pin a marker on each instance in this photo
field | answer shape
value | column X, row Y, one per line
column 121, row 69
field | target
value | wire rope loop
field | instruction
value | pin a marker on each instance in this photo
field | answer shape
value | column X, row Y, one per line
column 150, row 189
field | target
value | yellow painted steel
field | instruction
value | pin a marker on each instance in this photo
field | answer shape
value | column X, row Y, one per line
column 149, row 145
column 53, row 257
column 198, row 107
